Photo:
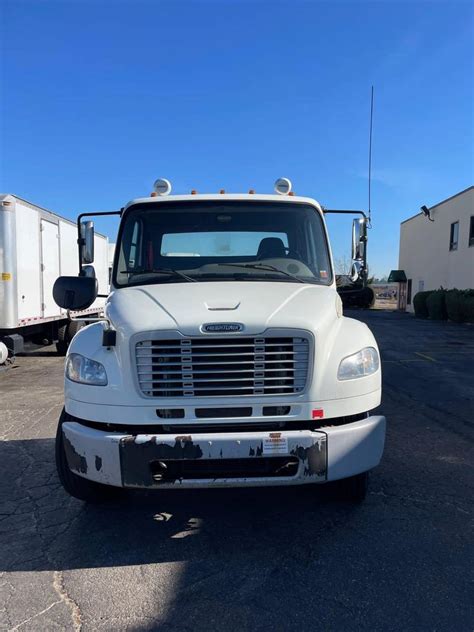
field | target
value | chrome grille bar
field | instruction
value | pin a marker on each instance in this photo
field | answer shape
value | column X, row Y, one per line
column 232, row 366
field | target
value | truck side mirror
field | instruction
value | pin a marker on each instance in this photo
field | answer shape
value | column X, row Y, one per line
column 75, row 293
column 359, row 239
column 87, row 242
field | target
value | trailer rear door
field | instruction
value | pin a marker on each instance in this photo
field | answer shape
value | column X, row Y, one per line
column 50, row 266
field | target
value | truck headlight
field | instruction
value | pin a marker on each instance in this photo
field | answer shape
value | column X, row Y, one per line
column 360, row 364
column 85, row 371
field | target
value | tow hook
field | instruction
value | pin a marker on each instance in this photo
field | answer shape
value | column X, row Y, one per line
column 158, row 476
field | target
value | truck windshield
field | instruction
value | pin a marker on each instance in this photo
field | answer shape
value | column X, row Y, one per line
column 178, row 242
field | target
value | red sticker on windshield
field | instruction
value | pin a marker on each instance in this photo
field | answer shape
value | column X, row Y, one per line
column 323, row 274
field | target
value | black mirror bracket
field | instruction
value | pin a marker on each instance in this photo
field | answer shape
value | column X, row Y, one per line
column 109, row 337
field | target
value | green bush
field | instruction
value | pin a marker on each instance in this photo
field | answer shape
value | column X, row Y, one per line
column 467, row 306
column 436, row 305
column 419, row 304
column 460, row 305
column 453, row 306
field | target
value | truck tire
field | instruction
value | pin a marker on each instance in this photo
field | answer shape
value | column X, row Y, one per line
column 354, row 488
column 81, row 488
column 63, row 342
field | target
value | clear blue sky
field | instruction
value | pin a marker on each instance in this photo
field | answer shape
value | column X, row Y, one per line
column 101, row 97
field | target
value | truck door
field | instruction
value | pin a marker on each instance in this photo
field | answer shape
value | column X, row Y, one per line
column 49, row 266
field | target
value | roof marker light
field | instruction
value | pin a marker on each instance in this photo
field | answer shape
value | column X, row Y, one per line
column 193, row 192
column 162, row 186
column 222, row 191
column 283, row 186
column 251, row 191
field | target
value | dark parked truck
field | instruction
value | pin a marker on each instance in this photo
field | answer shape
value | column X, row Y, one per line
column 224, row 358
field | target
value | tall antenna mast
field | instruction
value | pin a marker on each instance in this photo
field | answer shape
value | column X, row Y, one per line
column 370, row 153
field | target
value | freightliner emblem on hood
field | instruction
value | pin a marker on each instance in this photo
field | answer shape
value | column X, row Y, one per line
column 222, row 328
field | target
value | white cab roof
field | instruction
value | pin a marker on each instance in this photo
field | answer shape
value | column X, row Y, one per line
column 224, row 197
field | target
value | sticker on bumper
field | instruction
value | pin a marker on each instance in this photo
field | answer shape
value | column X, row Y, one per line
column 275, row 444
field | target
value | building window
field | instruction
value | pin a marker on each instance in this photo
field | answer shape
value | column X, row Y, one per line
column 471, row 231
column 421, row 286
column 409, row 292
column 454, row 236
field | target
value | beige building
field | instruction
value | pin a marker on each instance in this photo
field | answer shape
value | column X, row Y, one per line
column 437, row 246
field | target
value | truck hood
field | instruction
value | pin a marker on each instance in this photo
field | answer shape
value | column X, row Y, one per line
column 186, row 307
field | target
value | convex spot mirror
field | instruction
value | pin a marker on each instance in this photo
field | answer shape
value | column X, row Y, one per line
column 75, row 293
column 359, row 239
column 356, row 271
column 87, row 245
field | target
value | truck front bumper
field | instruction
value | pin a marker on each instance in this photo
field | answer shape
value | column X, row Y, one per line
column 237, row 459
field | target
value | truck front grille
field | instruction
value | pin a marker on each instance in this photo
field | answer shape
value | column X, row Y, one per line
column 221, row 366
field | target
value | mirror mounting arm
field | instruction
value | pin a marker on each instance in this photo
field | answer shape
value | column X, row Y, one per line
column 80, row 239
column 331, row 210
column 359, row 266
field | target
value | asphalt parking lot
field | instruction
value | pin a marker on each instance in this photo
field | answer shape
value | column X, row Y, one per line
column 268, row 559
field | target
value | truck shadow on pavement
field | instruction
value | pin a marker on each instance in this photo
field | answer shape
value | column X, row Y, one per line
column 44, row 529
column 243, row 559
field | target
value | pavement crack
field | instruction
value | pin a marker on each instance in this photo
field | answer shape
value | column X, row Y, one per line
column 60, row 588
column 18, row 626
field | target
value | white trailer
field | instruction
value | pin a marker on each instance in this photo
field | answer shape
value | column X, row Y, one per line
column 36, row 247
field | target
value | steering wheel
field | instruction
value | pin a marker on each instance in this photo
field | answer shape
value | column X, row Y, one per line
column 294, row 254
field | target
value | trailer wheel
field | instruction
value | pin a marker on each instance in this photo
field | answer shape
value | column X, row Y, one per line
column 3, row 353
column 354, row 488
column 63, row 342
column 81, row 488
column 73, row 327
column 66, row 333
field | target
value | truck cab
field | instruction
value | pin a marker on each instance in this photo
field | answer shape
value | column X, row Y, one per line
column 224, row 358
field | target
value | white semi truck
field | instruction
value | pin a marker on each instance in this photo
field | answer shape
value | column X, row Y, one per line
column 224, row 358
column 36, row 246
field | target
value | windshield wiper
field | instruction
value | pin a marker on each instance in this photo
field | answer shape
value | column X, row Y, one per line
column 262, row 266
column 169, row 271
